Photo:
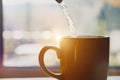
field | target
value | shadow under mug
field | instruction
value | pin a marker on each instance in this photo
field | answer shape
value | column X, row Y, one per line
column 81, row 58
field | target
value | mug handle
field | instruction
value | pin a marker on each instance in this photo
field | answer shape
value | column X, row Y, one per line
column 42, row 64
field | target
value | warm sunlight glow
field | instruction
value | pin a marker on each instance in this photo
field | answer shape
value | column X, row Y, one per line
column 58, row 38
column 46, row 34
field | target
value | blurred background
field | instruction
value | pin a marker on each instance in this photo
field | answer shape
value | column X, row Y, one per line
column 28, row 25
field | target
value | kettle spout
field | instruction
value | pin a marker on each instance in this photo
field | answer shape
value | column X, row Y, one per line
column 59, row 1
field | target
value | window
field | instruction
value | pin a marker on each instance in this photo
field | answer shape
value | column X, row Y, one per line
column 27, row 28
column 28, row 25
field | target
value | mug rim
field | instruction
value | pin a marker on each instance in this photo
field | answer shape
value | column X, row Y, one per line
column 86, row 37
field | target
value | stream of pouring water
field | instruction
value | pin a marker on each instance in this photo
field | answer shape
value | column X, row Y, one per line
column 71, row 25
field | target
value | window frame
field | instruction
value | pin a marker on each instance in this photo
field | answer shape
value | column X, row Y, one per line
column 10, row 72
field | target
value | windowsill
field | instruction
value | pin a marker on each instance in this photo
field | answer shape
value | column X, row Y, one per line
column 13, row 72
column 37, row 72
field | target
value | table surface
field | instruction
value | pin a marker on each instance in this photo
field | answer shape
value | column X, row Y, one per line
column 49, row 78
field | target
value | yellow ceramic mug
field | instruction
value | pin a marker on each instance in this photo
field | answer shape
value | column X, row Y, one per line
column 81, row 58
